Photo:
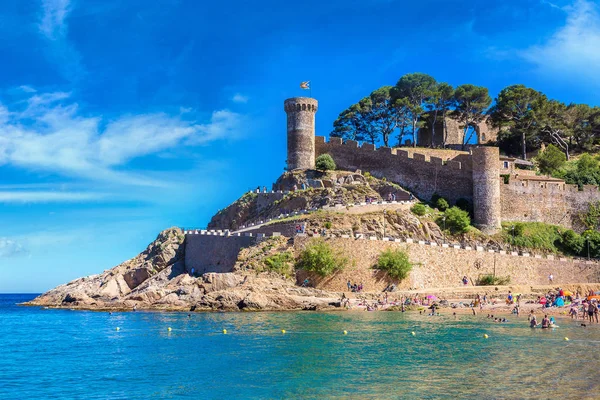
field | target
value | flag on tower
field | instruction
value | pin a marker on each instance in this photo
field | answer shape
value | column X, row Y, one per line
column 305, row 85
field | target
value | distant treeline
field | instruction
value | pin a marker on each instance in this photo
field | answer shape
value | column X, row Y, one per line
column 526, row 117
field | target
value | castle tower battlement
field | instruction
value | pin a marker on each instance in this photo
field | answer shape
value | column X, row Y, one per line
column 300, row 132
column 486, row 189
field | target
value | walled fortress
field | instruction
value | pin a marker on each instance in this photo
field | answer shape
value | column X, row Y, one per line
column 496, row 188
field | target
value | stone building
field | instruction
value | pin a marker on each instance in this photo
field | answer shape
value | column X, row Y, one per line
column 498, row 187
column 484, row 131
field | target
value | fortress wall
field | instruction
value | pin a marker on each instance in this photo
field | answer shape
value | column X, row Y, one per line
column 553, row 203
column 437, row 266
column 214, row 253
column 423, row 175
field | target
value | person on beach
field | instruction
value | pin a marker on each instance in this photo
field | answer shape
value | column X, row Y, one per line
column 531, row 315
column 573, row 312
column 550, row 278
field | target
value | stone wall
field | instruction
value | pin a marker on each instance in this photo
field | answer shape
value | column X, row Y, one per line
column 214, row 253
column 552, row 203
column 423, row 175
column 437, row 266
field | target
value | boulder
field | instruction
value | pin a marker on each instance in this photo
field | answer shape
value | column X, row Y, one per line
column 214, row 282
column 136, row 277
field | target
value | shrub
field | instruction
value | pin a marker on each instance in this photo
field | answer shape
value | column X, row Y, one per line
column 457, row 220
column 280, row 263
column 327, row 225
column 442, row 204
column 395, row 263
column 572, row 242
column 491, row 280
column 320, row 258
column 519, row 229
column 591, row 243
column 325, row 163
column 419, row 209
column 535, row 235
column 591, row 218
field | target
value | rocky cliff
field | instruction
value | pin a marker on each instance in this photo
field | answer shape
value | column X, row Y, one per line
column 156, row 279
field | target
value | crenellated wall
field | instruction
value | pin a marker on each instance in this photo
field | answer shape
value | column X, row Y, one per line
column 422, row 174
column 214, row 252
column 549, row 202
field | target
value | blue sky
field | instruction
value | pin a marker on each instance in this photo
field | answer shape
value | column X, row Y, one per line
column 120, row 119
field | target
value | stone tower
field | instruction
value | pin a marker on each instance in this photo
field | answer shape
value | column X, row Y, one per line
column 486, row 189
column 300, row 132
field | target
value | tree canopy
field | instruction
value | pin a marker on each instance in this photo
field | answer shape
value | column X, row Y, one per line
column 526, row 118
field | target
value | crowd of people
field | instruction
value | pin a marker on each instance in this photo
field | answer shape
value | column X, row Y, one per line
column 355, row 287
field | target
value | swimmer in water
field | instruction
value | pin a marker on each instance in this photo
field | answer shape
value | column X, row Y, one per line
column 545, row 322
column 533, row 322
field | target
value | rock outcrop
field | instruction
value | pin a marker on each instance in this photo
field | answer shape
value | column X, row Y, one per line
column 156, row 279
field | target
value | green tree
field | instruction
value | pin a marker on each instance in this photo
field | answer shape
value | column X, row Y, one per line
column 354, row 124
column 419, row 209
column 457, row 220
column 438, row 104
column 395, row 262
column 550, row 160
column 519, row 110
column 585, row 123
column 320, row 258
column 556, row 126
column 384, row 115
column 410, row 93
column 471, row 103
column 325, row 163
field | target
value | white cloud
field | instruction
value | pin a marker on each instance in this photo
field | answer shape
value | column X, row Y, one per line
column 10, row 248
column 22, row 196
column 27, row 89
column 224, row 124
column 239, row 98
column 54, row 14
column 48, row 132
column 573, row 50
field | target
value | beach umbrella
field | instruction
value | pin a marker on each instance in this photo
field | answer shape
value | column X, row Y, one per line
column 567, row 293
column 543, row 300
column 432, row 297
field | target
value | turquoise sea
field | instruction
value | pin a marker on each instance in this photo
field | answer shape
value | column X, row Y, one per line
column 63, row 354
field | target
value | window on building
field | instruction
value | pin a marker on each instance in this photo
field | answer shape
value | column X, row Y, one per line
column 505, row 164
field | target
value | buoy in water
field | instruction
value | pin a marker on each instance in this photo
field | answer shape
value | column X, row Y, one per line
column 485, row 336
column 412, row 333
column 566, row 339
column 345, row 332
column 224, row 331
column 169, row 329
column 117, row 328
column 283, row 331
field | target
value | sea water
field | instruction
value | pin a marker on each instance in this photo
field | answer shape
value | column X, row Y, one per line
column 66, row 354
